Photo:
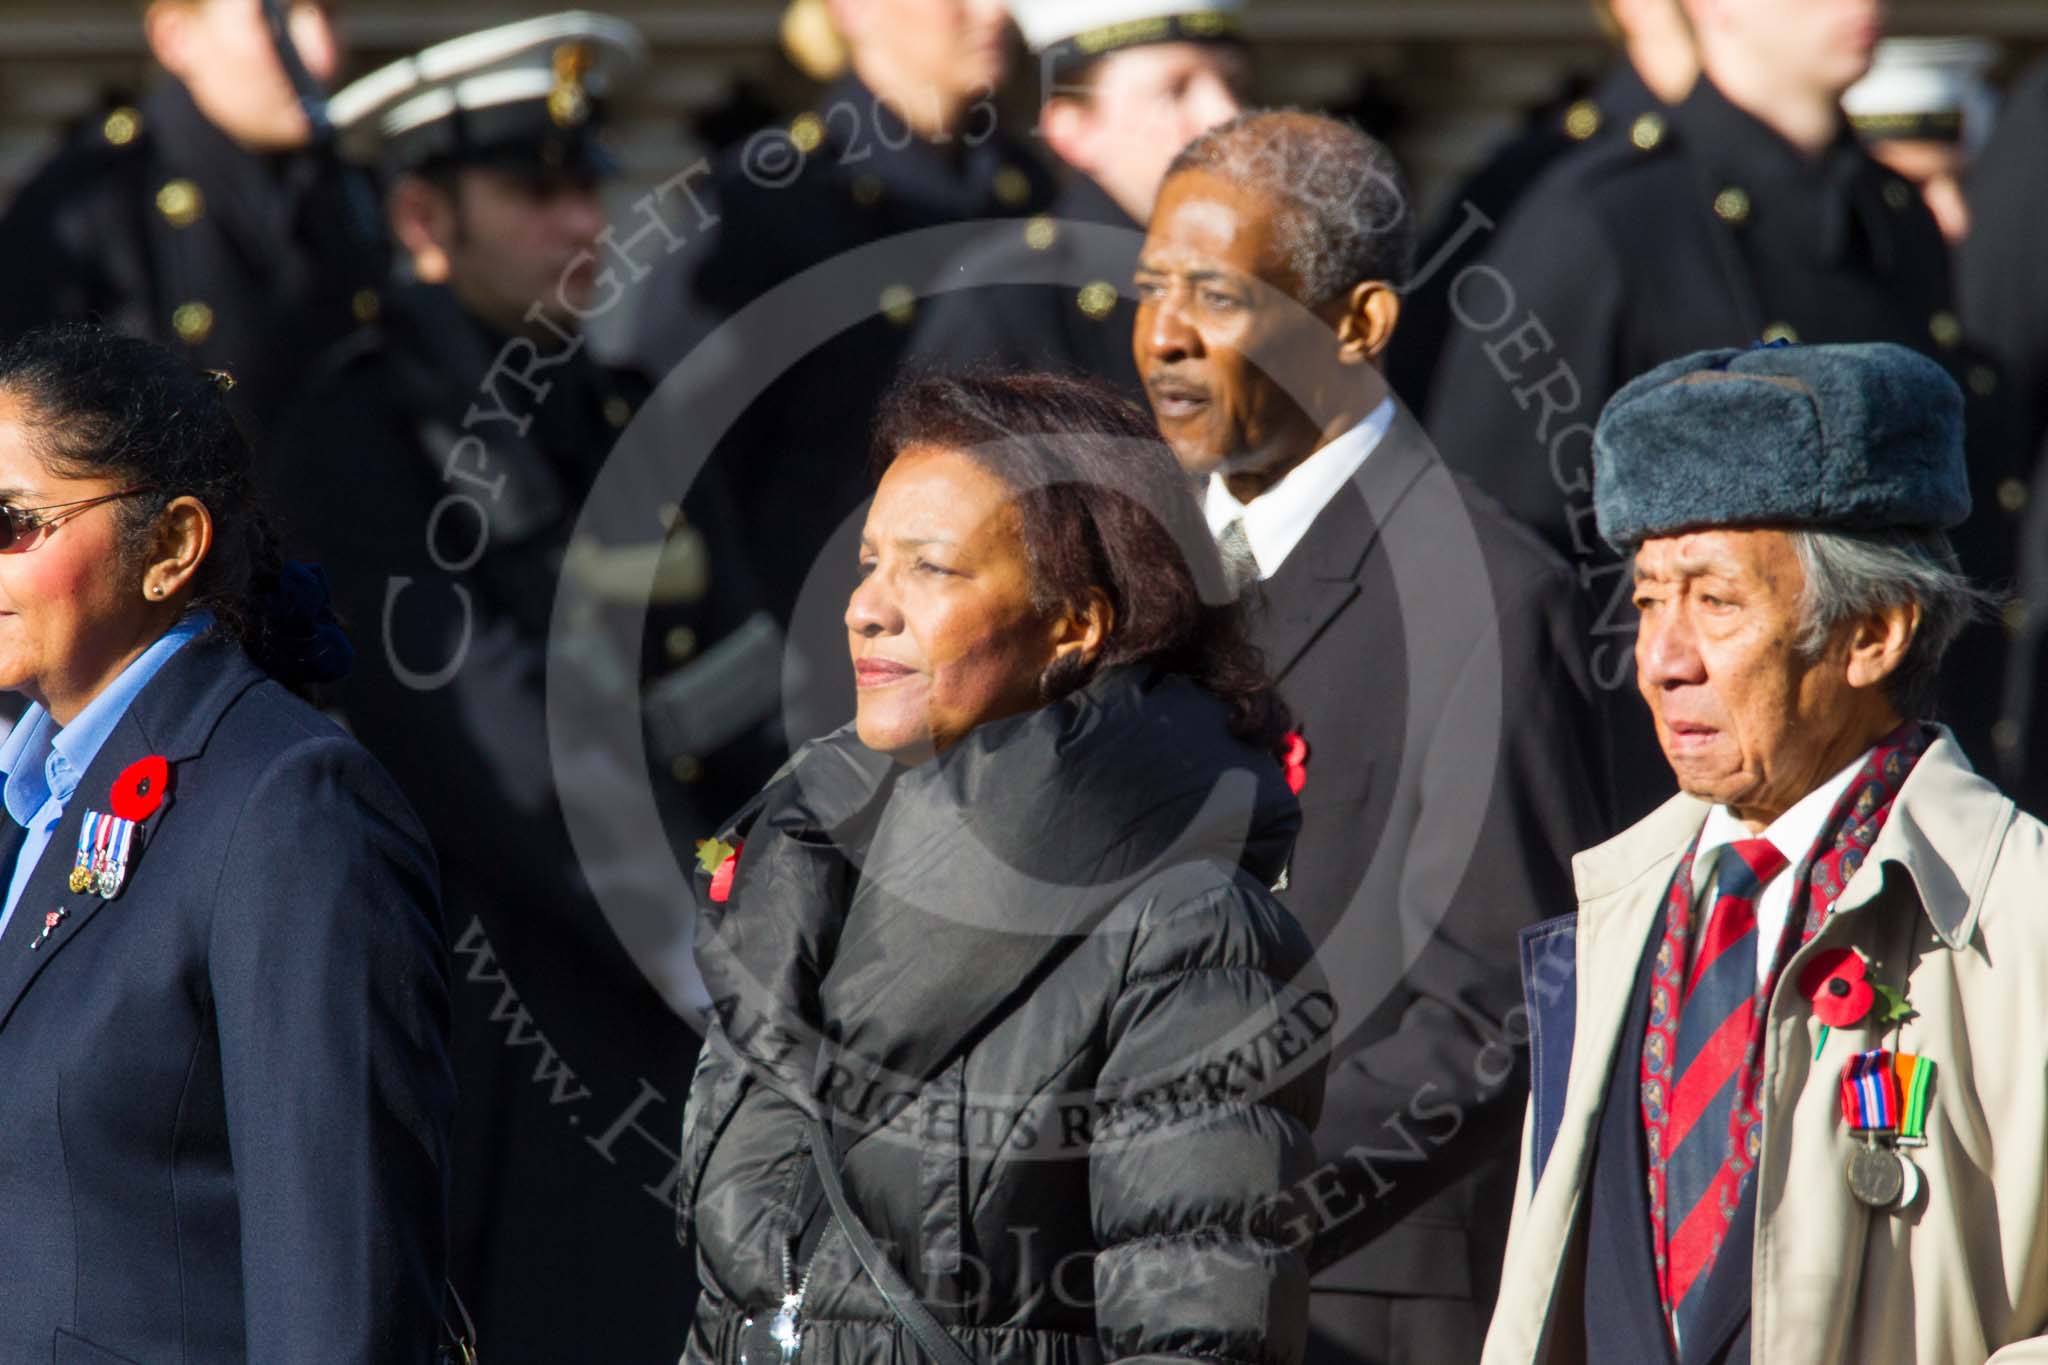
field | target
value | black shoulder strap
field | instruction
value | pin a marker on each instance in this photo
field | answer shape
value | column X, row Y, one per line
column 896, row 1291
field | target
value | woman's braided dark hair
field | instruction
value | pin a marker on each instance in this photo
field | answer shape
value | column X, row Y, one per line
column 97, row 404
column 1101, row 503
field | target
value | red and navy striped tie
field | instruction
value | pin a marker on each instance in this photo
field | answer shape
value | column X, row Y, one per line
column 1702, row 1173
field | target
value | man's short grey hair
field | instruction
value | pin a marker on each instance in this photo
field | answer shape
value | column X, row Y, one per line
column 1853, row 573
column 1345, row 215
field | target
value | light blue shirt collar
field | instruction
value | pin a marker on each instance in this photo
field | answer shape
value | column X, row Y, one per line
column 43, row 762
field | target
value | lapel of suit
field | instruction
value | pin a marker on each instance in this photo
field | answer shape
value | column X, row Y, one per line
column 1321, row 576
column 1620, row 1258
column 172, row 716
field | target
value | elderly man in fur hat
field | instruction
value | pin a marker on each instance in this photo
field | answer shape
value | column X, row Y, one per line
column 1790, row 1098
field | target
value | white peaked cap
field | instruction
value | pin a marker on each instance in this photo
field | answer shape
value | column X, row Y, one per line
column 1105, row 25
column 511, row 64
column 1914, row 82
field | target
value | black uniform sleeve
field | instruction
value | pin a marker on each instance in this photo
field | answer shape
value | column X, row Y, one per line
column 447, row 689
column 1534, row 350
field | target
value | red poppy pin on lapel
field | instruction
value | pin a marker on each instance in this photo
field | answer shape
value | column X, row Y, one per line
column 1838, row 985
column 1294, row 759
column 722, row 861
column 140, row 788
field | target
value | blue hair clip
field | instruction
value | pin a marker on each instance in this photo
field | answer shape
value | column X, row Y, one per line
column 309, row 638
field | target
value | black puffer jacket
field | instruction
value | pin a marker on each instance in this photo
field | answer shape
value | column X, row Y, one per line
column 1069, row 1044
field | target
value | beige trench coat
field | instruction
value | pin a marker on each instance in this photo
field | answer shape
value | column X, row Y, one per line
column 1953, row 899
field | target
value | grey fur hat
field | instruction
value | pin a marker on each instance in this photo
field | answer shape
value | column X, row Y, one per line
column 1857, row 437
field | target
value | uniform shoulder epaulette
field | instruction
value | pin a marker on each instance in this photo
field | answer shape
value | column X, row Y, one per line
column 1647, row 144
column 114, row 134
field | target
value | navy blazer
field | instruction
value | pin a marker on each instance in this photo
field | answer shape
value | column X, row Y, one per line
column 225, row 1094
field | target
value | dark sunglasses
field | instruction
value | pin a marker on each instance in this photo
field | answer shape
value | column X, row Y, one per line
column 21, row 527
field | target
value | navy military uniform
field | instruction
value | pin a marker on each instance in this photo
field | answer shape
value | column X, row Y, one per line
column 1473, row 214
column 1700, row 228
column 1079, row 322
column 151, row 220
column 562, row 1241
column 846, row 175
column 2004, row 279
column 228, row 1100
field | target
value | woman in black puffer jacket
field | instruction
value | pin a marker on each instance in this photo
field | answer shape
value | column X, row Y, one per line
column 1002, row 952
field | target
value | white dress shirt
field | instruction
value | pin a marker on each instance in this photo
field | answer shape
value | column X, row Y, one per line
column 1793, row 833
column 1277, row 519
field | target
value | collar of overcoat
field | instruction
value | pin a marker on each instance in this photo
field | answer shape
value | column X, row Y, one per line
column 175, row 716
column 1942, row 837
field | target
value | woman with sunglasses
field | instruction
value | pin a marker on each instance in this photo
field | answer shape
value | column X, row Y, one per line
column 224, row 1087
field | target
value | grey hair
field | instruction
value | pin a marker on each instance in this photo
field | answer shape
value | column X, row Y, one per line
column 1851, row 573
column 1344, row 205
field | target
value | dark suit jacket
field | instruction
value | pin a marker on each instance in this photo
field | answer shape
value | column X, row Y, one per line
column 227, row 1096
column 1433, row 651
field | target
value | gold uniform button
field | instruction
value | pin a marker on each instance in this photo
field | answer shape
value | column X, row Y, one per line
column 365, row 305
column 181, row 203
column 2015, row 616
column 617, row 411
column 1946, row 329
column 1898, row 195
column 681, row 643
column 1647, row 132
column 1582, row 120
column 2006, row 735
column 1732, row 206
column 808, row 132
column 1013, row 187
column 121, row 126
column 2012, row 495
column 1983, row 380
column 899, row 304
column 1097, row 299
column 1040, row 233
column 686, row 769
column 193, row 322
column 867, row 190
column 1781, row 331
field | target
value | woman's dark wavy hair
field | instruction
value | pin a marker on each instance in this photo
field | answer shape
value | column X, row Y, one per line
column 1101, row 503
column 102, row 405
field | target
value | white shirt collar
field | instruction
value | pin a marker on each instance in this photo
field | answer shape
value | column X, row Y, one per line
column 1793, row 833
column 1275, row 522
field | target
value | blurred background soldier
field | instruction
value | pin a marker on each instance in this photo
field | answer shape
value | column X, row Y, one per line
column 197, row 217
column 2004, row 274
column 1127, row 85
column 1654, row 68
column 1925, row 111
column 908, row 137
column 1749, row 212
column 436, row 466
